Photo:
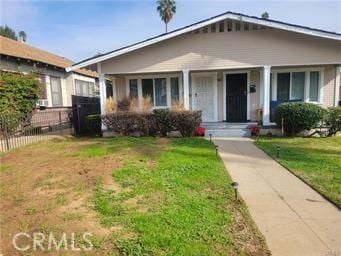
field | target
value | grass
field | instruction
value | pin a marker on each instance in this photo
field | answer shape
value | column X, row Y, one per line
column 137, row 196
column 178, row 202
column 316, row 160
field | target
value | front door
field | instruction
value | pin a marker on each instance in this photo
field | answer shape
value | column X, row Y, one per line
column 204, row 96
column 236, row 97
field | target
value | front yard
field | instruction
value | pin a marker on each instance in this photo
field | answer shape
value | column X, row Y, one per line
column 316, row 160
column 137, row 196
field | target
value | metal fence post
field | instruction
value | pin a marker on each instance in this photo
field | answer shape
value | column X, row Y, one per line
column 5, row 133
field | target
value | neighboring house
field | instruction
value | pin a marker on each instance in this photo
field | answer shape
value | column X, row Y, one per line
column 233, row 67
column 57, row 85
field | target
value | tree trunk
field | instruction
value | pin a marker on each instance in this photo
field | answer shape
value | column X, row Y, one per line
column 166, row 26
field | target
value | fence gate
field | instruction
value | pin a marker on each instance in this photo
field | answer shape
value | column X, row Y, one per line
column 82, row 107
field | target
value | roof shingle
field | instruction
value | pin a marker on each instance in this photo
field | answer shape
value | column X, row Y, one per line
column 14, row 48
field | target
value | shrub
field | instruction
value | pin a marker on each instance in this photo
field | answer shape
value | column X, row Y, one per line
column 18, row 93
column 163, row 121
column 186, row 122
column 126, row 123
column 333, row 120
column 298, row 116
column 123, row 105
column 93, row 124
column 110, row 105
column 200, row 131
column 148, row 123
column 254, row 130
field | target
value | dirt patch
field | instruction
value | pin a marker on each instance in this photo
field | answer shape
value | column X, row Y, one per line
column 50, row 189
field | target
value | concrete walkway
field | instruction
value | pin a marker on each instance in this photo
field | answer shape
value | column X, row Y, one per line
column 294, row 219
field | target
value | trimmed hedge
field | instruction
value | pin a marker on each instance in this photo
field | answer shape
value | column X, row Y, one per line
column 298, row 116
column 151, row 123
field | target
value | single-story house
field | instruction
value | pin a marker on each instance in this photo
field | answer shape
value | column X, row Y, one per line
column 233, row 67
column 57, row 85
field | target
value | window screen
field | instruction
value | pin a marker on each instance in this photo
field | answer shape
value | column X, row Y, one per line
column 56, row 91
column 160, row 92
column 314, row 86
column 133, row 88
column 147, row 88
column 283, row 87
column 297, row 86
column 175, row 91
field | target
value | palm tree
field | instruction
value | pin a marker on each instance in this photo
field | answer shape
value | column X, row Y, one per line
column 22, row 36
column 166, row 9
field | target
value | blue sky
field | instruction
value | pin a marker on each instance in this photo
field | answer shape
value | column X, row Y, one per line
column 81, row 29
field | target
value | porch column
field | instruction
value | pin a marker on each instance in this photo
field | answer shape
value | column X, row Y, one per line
column 186, row 87
column 102, row 90
column 337, row 86
column 114, row 88
column 266, row 95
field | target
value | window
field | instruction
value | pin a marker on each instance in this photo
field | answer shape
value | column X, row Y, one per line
column 314, row 86
column 213, row 28
column 283, row 87
column 175, row 92
column 133, row 88
column 109, row 89
column 56, row 91
column 84, row 88
column 297, row 86
column 160, row 92
column 237, row 26
column 229, row 26
column 246, row 27
column 204, row 30
column 147, row 88
column 221, row 26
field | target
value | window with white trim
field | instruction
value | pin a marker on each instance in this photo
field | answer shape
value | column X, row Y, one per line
column 84, row 88
column 300, row 85
column 164, row 91
column 133, row 88
column 314, row 86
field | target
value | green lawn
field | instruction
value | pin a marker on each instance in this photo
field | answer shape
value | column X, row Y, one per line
column 137, row 196
column 176, row 199
column 316, row 160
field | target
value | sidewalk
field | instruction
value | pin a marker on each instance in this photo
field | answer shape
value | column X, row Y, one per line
column 294, row 219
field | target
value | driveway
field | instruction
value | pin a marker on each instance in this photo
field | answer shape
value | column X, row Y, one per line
column 294, row 219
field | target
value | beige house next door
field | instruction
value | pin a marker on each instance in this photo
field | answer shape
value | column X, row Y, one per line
column 204, row 95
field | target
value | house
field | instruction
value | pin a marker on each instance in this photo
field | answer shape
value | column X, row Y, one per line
column 57, row 85
column 233, row 67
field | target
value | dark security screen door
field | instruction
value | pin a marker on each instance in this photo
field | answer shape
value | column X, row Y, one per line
column 236, row 97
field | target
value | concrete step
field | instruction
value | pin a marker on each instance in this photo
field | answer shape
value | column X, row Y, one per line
column 231, row 132
column 224, row 125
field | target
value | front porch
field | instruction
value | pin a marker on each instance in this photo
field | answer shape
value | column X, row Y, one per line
column 228, row 95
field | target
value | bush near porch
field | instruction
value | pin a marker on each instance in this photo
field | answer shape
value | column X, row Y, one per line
column 160, row 121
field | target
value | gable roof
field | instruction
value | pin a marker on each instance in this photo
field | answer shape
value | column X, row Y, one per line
column 14, row 48
column 227, row 15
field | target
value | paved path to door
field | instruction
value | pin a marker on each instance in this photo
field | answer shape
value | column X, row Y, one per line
column 294, row 219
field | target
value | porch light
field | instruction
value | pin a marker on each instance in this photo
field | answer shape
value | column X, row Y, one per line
column 235, row 186
column 278, row 149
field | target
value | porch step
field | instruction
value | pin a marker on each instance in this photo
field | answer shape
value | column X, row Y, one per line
column 224, row 129
column 228, row 133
